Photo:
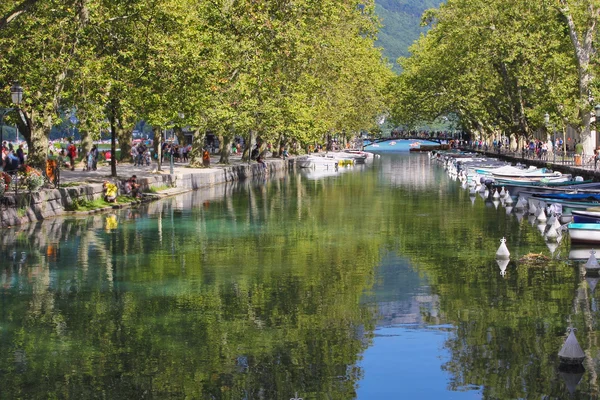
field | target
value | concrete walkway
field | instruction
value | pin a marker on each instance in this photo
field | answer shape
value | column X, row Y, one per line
column 80, row 185
column 126, row 170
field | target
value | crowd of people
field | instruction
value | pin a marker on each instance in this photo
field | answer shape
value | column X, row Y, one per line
column 12, row 158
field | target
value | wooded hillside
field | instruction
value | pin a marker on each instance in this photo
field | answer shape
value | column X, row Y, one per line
column 401, row 25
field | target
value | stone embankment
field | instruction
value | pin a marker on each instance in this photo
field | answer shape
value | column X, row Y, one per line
column 26, row 207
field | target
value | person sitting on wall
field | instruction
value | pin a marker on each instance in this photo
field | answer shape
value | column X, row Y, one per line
column 261, row 162
column 132, row 188
column 110, row 192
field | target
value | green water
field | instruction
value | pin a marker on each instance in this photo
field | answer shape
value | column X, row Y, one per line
column 373, row 283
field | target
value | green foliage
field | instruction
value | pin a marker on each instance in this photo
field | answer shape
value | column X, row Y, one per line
column 400, row 26
column 157, row 188
column 299, row 70
column 498, row 67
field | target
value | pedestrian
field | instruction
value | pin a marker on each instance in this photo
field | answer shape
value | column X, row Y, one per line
column 94, row 152
column 89, row 160
column 21, row 154
column 71, row 153
column 206, row 158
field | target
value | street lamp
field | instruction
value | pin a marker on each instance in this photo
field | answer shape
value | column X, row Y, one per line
column 16, row 95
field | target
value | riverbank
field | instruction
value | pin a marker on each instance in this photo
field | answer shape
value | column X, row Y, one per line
column 80, row 186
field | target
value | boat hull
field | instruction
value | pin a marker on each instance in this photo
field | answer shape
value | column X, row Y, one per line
column 586, row 217
column 584, row 233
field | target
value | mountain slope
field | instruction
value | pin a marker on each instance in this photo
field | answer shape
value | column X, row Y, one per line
column 400, row 19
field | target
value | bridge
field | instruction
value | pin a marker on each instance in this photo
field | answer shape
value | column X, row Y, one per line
column 435, row 139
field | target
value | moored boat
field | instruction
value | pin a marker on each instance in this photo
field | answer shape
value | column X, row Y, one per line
column 584, row 233
column 586, row 216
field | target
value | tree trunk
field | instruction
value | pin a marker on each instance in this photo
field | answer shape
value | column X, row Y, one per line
column 225, row 140
column 86, row 143
column 248, row 147
column 124, row 135
column 180, row 135
column 158, row 146
column 277, row 146
column 195, row 155
column 583, row 52
column 36, row 136
column 113, row 147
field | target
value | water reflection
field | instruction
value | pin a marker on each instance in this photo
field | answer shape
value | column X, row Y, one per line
column 288, row 285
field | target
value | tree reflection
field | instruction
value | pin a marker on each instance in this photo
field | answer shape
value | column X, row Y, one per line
column 231, row 301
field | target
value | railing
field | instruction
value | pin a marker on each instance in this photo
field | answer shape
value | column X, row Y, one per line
column 558, row 157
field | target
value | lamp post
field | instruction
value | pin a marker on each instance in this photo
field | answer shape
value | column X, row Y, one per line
column 16, row 95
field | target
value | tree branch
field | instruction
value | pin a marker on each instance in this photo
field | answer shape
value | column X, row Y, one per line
column 16, row 12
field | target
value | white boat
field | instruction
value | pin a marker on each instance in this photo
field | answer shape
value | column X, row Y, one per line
column 584, row 233
column 315, row 161
column 360, row 157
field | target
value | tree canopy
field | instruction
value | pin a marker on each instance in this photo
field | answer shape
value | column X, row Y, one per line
column 291, row 71
column 502, row 66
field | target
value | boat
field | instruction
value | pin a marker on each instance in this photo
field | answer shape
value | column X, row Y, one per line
column 548, row 187
column 592, row 197
column 586, row 216
column 584, row 233
column 325, row 161
column 311, row 161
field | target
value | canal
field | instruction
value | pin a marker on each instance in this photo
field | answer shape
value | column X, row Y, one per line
column 372, row 283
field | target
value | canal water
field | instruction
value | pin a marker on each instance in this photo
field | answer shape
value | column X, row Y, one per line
column 371, row 283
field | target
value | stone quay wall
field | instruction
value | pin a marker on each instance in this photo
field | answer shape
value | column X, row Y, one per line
column 26, row 207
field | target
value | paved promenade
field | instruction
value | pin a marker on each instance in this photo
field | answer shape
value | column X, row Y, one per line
column 126, row 170
column 80, row 185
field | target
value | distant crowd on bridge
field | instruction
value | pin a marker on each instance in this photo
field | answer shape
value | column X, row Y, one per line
column 425, row 135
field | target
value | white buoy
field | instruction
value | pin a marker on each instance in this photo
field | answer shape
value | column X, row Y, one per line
column 552, row 234
column 496, row 194
column 507, row 198
column 502, row 264
column 519, row 216
column 531, row 219
column 503, row 253
column 496, row 203
column 571, row 352
column 551, row 219
column 552, row 246
column 532, row 208
column 591, row 266
column 592, row 282
column 572, row 375
column 502, row 192
column 521, row 204
column 557, row 224
column 542, row 228
column 542, row 215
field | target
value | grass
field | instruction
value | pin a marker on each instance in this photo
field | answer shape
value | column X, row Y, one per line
column 156, row 189
column 87, row 205
column 70, row 184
